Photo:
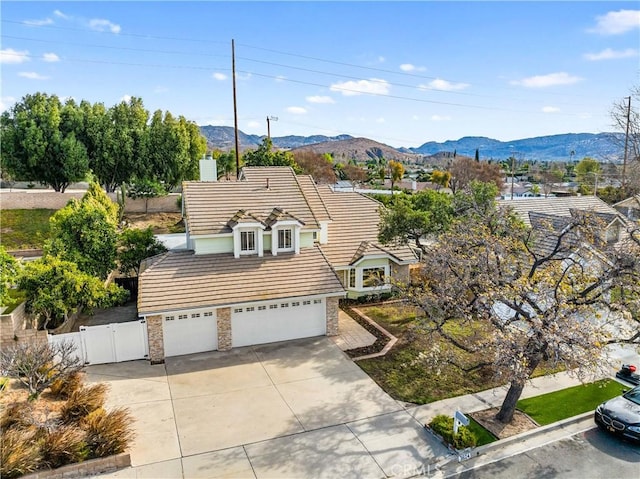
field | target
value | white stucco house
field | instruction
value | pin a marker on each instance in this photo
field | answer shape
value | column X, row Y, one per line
column 268, row 257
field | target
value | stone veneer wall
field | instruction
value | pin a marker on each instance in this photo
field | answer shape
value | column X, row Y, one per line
column 156, row 339
column 224, row 329
column 332, row 316
column 15, row 328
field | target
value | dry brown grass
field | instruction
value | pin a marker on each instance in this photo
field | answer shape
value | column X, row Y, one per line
column 108, row 432
column 64, row 387
column 19, row 453
column 82, row 402
column 63, row 445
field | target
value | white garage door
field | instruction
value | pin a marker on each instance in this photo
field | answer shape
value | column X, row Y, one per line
column 189, row 332
column 278, row 321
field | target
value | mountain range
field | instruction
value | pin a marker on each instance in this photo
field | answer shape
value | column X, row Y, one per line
column 562, row 147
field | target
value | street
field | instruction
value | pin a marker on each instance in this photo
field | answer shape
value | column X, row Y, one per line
column 590, row 454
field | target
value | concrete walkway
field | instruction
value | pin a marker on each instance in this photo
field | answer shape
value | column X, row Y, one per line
column 352, row 335
column 387, row 442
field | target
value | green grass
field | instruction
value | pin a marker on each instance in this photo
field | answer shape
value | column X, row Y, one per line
column 555, row 406
column 482, row 435
column 25, row 229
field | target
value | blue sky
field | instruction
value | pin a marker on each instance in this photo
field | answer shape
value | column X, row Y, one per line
column 401, row 73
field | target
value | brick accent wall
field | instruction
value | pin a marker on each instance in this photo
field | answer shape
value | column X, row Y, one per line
column 156, row 339
column 332, row 316
column 224, row 329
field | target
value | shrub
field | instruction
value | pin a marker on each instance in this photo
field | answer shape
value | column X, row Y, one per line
column 16, row 415
column 443, row 425
column 63, row 445
column 3, row 383
column 83, row 402
column 108, row 432
column 19, row 453
column 65, row 386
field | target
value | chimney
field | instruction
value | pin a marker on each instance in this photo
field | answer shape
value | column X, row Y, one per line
column 208, row 168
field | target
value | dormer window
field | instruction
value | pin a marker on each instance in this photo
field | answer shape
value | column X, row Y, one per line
column 248, row 242
column 285, row 239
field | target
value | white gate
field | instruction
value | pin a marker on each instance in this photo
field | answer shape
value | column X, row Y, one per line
column 109, row 343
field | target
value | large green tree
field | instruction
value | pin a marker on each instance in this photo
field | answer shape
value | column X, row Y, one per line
column 56, row 288
column 556, row 293
column 413, row 218
column 265, row 156
column 135, row 245
column 40, row 144
column 85, row 232
column 9, row 268
column 587, row 171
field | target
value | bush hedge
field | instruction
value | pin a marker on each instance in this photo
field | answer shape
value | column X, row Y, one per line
column 443, row 425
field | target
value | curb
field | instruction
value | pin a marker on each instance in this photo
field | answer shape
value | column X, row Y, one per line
column 527, row 435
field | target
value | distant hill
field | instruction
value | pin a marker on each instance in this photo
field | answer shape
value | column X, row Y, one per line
column 601, row 146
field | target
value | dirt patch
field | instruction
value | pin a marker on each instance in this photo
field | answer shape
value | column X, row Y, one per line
column 160, row 223
column 520, row 423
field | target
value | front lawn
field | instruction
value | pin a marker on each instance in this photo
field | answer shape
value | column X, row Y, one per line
column 555, row 406
column 25, row 229
column 403, row 372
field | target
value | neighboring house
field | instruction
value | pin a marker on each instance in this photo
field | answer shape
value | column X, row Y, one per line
column 268, row 258
column 532, row 212
column 630, row 208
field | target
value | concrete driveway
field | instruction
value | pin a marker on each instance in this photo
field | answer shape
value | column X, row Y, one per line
column 293, row 409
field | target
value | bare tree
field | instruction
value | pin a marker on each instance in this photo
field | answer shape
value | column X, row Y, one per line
column 627, row 121
column 37, row 366
column 509, row 297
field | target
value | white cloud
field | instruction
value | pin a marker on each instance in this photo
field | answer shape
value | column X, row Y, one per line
column 32, row 76
column 550, row 109
column 444, row 85
column 9, row 55
column 38, row 23
column 6, row 102
column 320, row 99
column 409, row 67
column 297, row 110
column 609, row 54
column 50, row 57
column 125, row 98
column 543, row 81
column 102, row 25
column 351, row 88
column 615, row 23
column 219, row 76
column 440, row 118
column 59, row 14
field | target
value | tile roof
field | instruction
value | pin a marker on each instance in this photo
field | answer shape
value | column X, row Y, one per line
column 355, row 219
column 210, row 206
column 559, row 206
column 182, row 280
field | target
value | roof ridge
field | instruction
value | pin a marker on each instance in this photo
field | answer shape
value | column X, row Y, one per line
column 329, row 263
column 306, row 200
column 315, row 187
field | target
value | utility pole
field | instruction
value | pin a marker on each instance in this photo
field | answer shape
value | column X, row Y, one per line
column 270, row 118
column 513, row 161
column 626, row 144
column 235, row 107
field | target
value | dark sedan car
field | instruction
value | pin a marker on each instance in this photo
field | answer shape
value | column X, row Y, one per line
column 621, row 415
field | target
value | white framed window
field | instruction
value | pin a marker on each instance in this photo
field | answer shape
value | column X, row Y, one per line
column 250, row 308
column 195, row 315
column 273, row 306
column 261, row 308
column 373, row 277
column 285, row 239
column 248, row 241
column 208, row 314
column 352, row 278
column 295, row 303
column 169, row 318
column 183, row 316
column 306, row 303
column 284, row 305
column 317, row 301
column 237, row 310
column 315, row 237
